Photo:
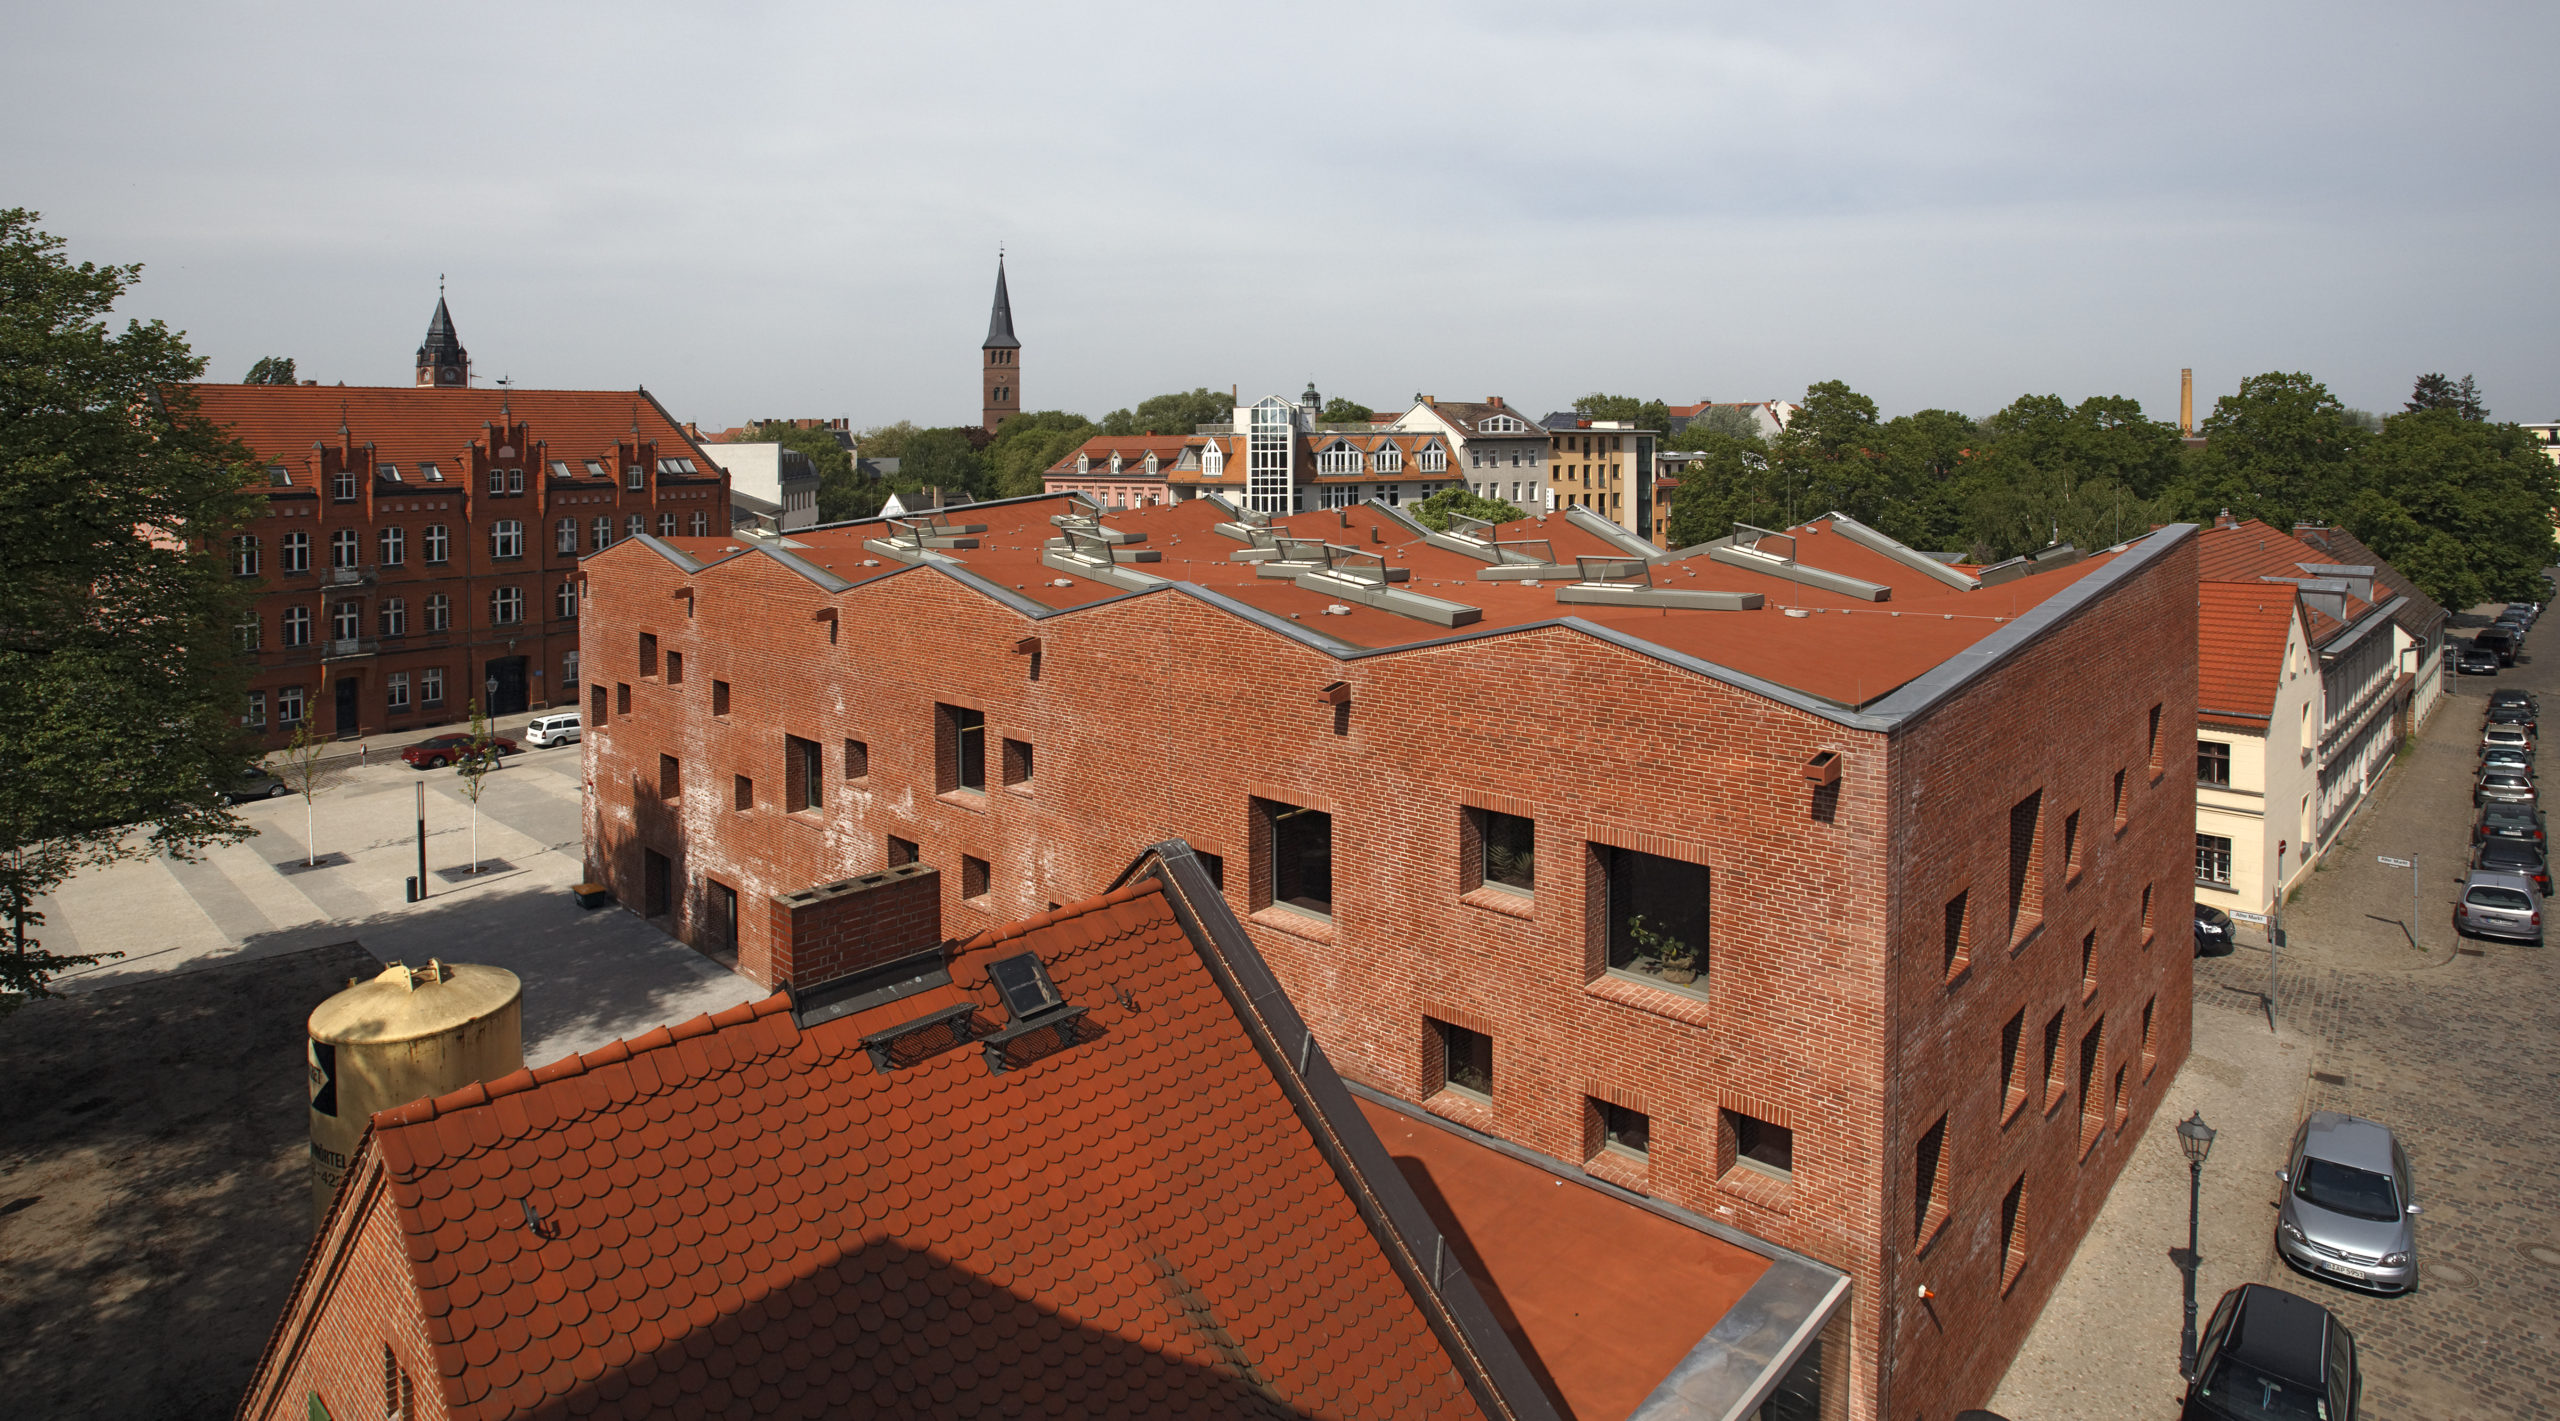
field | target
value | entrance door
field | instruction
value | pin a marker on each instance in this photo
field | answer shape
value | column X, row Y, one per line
column 720, row 936
column 653, row 883
column 346, row 705
column 507, row 696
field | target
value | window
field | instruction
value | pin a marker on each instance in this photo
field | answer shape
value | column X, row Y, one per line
column 2153, row 742
column 742, row 793
column 2013, row 1234
column 2150, row 1036
column 439, row 546
column 2093, row 1106
column 2213, row 861
column 565, row 535
column 2213, row 763
column 1432, row 460
column 2056, row 1088
column 2118, row 1107
column 1656, row 915
column 2146, row 915
column 439, row 612
column 506, row 606
column 675, row 668
column 1507, row 849
column 2013, row 1086
column 666, row 525
column 719, row 697
column 515, row 480
column 2089, row 965
column 395, row 546
column 342, row 548
column 244, row 556
column 1959, row 942
column 395, row 616
column 250, row 632
column 399, row 1403
column 974, row 876
column 1300, row 845
column 506, row 538
column 2026, row 881
column 670, row 777
column 297, row 626
column 2119, row 801
column 857, row 760
column 497, row 481
column 569, row 671
column 631, row 477
column 431, row 686
column 960, row 749
column 1760, row 1146
column 397, row 684
column 1929, row 1183
column 648, row 655
column 1466, row 1061
column 1389, row 460
column 601, row 535
column 804, row 775
column 901, row 851
column 564, row 600
column 635, row 525
column 256, row 715
column 432, row 474
column 1017, row 763
column 622, row 698
column 2071, row 847
column 1624, row 1131
column 342, row 486
column 297, row 552
column 289, row 707
column 701, row 523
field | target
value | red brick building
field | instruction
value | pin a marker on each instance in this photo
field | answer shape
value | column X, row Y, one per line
column 1804, row 884
column 420, row 545
column 1000, row 360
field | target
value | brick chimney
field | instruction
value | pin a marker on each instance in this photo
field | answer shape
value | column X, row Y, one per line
column 822, row 933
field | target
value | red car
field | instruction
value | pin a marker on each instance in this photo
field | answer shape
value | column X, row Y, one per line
column 439, row 751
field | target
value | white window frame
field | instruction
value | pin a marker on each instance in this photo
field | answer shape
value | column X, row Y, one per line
column 342, row 486
column 506, row 606
column 437, row 543
column 666, row 525
column 602, row 533
column 396, row 690
column 506, row 538
column 244, row 555
column 632, row 476
column 346, row 621
column 565, row 536
column 565, row 600
column 395, row 546
column 701, row 523
column 431, row 686
column 1431, row 459
column 296, row 548
column 289, row 707
column 256, row 716
column 439, row 612
column 394, row 616
column 636, row 525
column 297, row 625
column 345, row 549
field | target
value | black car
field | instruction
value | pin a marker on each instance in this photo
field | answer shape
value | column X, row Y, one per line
column 2509, row 713
column 255, row 782
column 2473, row 659
column 2501, row 640
column 2512, row 696
column 2268, row 1354
column 2213, row 931
column 2520, row 856
column 2509, row 821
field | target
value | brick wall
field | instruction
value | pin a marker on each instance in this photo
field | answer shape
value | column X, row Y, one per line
column 356, row 1298
column 1160, row 716
column 818, row 934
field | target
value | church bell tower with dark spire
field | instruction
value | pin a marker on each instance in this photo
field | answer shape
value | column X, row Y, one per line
column 442, row 360
column 1000, row 359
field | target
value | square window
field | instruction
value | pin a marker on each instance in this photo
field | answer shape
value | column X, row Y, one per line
column 1299, row 848
column 1655, row 915
column 719, row 698
column 1760, row 1146
column 857, row 760
column 901, row 851
column 974, row 876
column 670, row 777
column 804, row 775
column 960, row 749
column 1466, row 1060
column 2213, row 763
column 1929, row 1205
column 743, row 794
column 1017, row 763
column 1624, row 1131
column 1508, row 844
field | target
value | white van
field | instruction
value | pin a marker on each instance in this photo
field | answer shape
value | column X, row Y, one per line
column 550, row 730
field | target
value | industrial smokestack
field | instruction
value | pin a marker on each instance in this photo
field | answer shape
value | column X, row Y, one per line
column 2186, row 402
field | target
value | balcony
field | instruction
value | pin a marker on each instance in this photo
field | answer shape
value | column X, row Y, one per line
column 348, row 648
column 361, row 575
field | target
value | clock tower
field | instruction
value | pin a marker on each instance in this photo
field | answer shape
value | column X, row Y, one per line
column 442, row 360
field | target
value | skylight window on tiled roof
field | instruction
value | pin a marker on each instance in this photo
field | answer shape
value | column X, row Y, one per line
column 1036, row 1006
column 431, row 473
column 595, row 468
column 559, row 468
column 675, row 466
column 279, row 475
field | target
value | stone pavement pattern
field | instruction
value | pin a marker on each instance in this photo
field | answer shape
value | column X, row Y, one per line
column 2456, row 1046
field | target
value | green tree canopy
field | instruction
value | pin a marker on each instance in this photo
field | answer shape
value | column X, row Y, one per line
column 2280, row 449
column 2050, row 472
column 1643, row 414
column 2461, row 508
column 885, row 441
column 120, row 679
column 842, row 494
column 1729, row 482
column 1178, row 413
column 1027, row 445
column 1341, row 411
column 2435, row 392
column 1433, row 512
column 270, row 370
column 947, row 459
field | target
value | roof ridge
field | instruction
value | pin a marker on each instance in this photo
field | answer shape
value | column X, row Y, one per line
column 524, row 1078
column 1064, row 912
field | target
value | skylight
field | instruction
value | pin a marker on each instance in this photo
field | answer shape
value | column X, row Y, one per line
column 559, row 468
column 1027, row 990
column 431, row 473
column 278, row 475
column 388, row 471
column 595, row 469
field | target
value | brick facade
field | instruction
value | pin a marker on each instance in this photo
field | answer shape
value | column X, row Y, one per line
column 1824, row 1006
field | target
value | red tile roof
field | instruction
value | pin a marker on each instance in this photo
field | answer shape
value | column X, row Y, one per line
column 2241, row 630
column 413, row 424
column 748, row 1218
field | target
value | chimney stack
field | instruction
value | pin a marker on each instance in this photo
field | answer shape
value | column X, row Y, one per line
column 2186, row 402
column 819, row 934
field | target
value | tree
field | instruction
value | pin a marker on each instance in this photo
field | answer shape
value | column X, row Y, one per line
column 1341, row 411
column 2461, row 508
column 1643, row 414
column 885, row 441
column 120, row 678
column 2435, row 392
column 1732, row 421
column 1728, row 483
column 944, row 459
column 840, row 491
column 1433, row 512
column 2280, row 449
column 300, row 770
column 1178, row 413
column 1027, row 445
column 2052, row 472
column 1826, row 461
column 475, row 762
column 270, row 370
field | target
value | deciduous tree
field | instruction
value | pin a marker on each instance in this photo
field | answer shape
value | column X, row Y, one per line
column 1433, row 512
column 2279, row 449
column 1341, row 411
column 2461, row 508
column 270, row 370
column 1177, row 413
column 1643, row 414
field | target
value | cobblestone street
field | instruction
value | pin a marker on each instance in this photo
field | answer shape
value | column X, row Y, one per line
column 2454, row 1044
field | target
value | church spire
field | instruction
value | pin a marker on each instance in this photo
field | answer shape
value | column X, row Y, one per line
column 1000, row 359
column 442, row 360
column 1000, row 321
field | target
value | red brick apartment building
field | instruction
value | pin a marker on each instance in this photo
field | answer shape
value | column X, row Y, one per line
column 1820, row 893
column 420, row 545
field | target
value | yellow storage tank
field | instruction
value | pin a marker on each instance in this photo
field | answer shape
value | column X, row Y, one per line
column 408, row 1033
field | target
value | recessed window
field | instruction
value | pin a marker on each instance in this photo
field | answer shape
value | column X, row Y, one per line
column 2152, row 741
column 1760, row 1145
column 2089, row 964
column 974, row 876
column 599, row 715
column 648, row 655
column 1510, row 848
column 1017, row 763
column 1301, row 849
column 1466, row 1060
column 670, row 777
column 675, row 668
column 1656, row 916
column 719, row 697
column 857, row 759
column 1624, row 1131
column 2119, row 800
column 622, row 698
column 2150, row 1035
column 742, row 794
column 1958, row 944
column 2056, row 1088
column 2026, row 883
column 2071, row 864
column 960, row 745
column 901, row 851
column 2213, row 763
column 1929, row 1182
column 2093, row 1113
column 1215, row 865
column 2013, row 1234
column 2146, row 915
column 804, row 775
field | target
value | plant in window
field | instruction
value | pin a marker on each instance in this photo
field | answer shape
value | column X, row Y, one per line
column 1672, row 959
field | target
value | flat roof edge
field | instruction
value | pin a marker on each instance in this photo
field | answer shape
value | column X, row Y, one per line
column 1741, row 1360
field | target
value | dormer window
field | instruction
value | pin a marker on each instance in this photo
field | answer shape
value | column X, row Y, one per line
column 1151, row 461
column 1500, row 424
column 1115, row 462
column 279, row 475
column 1213, row 461
column 595, row 470
column 1338, row 461
column 1431, row 459
column 559, row 468
column 389, row 473
column 1388, row 460
column 1084, row 465
column 431, row 473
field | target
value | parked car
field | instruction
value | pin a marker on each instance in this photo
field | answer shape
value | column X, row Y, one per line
column 2502, row 905
column 2501, row 640
column 2506, row 737
column 2514, row 696
column 2515, row 760
column 549, row 730
column 2503, row 786
column 2523, row 718
column 2517, row 856
column 254, row 782
column 2509, row 821
column 2213, row 931
column 2473, row 659
column 2517, row 614
column 2267, row 1354
column 2347, row 1214
column 436, row 752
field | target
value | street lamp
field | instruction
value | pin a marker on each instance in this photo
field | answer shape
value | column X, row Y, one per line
column 2196, row 1138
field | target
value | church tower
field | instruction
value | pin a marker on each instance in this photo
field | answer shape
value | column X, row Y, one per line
column 1000, row 368
column 442, row 360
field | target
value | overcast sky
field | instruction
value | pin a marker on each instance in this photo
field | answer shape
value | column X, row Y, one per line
column 785, row 210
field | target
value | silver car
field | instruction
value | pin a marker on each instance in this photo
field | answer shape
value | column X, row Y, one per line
column 2505, row 737
column 2505, row 786
column 2346, row 1213
column 2497, row 904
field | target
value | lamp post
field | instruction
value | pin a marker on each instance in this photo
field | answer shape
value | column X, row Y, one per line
column 2196, row 1138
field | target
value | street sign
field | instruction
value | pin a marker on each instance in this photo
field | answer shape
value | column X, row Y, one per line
column 2389, row 862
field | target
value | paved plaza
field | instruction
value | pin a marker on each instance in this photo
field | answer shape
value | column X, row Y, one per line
column 2456, row 1045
